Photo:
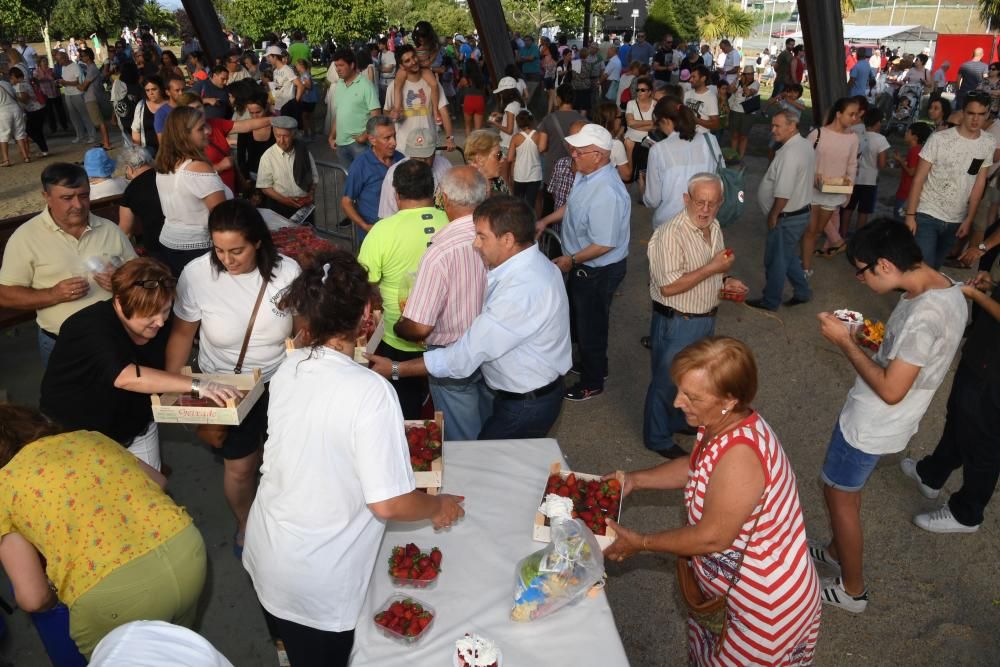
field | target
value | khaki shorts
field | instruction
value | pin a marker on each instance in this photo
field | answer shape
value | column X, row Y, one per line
column 991, row 196
column 94, row 111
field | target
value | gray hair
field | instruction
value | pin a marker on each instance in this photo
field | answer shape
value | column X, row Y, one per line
column 465, row 187
column 377, row 121
column 788, row 116
column 704, row 177
column 135, row 156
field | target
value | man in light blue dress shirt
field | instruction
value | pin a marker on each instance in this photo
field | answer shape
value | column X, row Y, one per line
column 520, row 341
column 594, row 236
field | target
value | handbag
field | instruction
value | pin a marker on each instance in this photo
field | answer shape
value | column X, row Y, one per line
column 215, row 434
column 710, row 613
column 751, row 104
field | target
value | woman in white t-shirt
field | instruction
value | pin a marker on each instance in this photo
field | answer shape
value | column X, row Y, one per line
column 336, row 468
column 188, row 185
column 674, row 160
column 639, row 119
column 740, row 120
column 217, row 293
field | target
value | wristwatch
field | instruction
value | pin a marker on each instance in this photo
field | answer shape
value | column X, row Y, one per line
column 196, row 387
column 982, row 248
column 395, row 371
column 572, row 258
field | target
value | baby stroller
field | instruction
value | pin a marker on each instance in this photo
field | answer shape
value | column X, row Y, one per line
column 907, row 108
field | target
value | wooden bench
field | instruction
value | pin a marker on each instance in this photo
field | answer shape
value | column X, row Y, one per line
column 104, row 208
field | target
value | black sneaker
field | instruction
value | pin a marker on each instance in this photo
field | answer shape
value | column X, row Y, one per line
column 758, row 303
column 578, row 393
column 576, row 370
column 646, row 342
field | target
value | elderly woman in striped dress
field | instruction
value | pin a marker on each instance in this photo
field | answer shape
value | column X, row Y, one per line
column 744, row 538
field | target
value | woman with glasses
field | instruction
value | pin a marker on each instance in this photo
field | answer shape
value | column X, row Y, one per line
column 216, row 298
column 740, row 120
column 639, row 119
column 143, row 130
column 482, row 151
column 991, row 86
column 109, row 358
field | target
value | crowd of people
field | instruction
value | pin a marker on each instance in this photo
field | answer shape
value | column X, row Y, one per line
column 480, row 318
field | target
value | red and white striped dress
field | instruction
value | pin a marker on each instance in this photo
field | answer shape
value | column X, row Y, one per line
column 774, row 606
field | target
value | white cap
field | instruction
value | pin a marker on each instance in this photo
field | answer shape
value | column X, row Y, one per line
column 591, row 135
column 506, row 83
column 274, row 51
column 459, row 38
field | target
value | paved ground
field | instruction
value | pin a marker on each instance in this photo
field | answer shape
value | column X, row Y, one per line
column 922, row 612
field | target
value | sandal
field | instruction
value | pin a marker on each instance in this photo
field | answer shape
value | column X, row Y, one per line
column 833, row 252
column 5, row 163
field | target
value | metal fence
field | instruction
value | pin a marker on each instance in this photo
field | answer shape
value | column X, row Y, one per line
column 329, row 210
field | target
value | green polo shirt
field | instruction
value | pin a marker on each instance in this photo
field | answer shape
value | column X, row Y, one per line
column 353, row 105
column 390, row 251
column 298, row 51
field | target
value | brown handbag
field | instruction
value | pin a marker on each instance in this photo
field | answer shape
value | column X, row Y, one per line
column 710, row 613
column 215, row 434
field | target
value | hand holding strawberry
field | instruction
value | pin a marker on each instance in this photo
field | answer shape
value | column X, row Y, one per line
column 626, row 487
column 628, row 544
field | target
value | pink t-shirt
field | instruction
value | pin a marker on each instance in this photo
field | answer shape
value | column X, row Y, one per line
column 836, row 153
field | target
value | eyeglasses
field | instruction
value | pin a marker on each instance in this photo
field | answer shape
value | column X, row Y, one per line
column 642, row 90
column 153, row 284
column 860, row 273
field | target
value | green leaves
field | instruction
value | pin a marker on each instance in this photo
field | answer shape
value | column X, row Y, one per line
column 724, row 19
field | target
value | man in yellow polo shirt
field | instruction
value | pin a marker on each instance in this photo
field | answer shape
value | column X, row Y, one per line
column 61, row 260
column 391, row 252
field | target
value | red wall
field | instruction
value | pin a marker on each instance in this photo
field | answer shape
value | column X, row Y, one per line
column 957, row 49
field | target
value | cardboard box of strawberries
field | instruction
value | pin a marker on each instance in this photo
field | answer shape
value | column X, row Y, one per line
column 300, row 243
column 594, row 500
column 425, row 438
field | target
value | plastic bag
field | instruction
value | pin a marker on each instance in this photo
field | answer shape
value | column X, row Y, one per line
column 559, row 574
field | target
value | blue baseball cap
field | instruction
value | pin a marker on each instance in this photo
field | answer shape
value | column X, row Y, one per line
column 98, row 163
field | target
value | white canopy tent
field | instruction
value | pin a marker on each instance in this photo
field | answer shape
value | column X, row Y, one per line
column 883, row 33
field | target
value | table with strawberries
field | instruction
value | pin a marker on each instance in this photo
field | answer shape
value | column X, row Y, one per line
column 431, row 588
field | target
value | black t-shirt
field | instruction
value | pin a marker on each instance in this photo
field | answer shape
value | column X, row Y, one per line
column 662, row 57
column 78, row 389
column 142, row 198
column 982, row 344
column 208, row 89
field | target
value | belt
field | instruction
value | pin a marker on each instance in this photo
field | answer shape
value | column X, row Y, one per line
column 527, row 396
column 48, row 334
column 667, row 311
column 788, row 214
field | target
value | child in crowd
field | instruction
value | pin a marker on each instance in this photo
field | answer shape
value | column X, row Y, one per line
column 790, row 100
column 874, row 153
column 526, row 148
column 915, row 138
column 307, row 104
column 473, row 97
column 425, row 40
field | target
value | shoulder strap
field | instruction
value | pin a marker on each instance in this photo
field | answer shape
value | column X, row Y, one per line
column 819, row 133
column 253, row 318
column 717, row 158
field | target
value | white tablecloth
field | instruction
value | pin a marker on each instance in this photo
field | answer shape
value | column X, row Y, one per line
column 502, row 482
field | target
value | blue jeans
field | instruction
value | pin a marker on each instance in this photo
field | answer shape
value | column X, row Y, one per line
column 668, row 336
column 782, row 260
column 465, row 402
column 531, row 418
column 590, row 293
column 349, row 153
column 45, row 347
column 935, row 238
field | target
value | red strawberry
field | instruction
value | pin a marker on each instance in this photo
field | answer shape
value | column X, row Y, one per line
column 563, row 491
column 412, row 550
column 436, row 557
column 396, row 609
column 424, row 620
column 428, row 574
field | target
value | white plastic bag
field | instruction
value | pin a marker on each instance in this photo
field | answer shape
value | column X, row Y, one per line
column 559, row 574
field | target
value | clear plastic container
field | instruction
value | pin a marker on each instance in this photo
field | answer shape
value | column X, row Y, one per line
column 396, row 636
column 414, row 583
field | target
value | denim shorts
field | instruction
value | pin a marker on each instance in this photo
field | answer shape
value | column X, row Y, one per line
column 845, row 467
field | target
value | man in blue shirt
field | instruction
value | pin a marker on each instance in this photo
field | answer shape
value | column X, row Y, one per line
column 364, row 179
column 860, row 74
column 594, row 236
column 520, row 341
column 529, row 58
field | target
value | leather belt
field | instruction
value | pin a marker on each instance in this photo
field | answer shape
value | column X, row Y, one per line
column 527, row 396
column 667, row 311
column 788, row 214
column 48, row 334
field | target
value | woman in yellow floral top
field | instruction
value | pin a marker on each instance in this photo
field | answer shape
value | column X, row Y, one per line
column 116, row 548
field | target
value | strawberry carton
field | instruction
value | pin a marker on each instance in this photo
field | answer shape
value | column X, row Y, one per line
column 425, row 438
column 409, row 566
column 186, row 409
column 404, row 619
column 594, row 501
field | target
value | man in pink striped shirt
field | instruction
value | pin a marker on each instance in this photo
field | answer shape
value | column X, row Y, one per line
column 446, row 297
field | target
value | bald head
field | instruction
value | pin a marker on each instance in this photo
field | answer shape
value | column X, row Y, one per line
column 977, row 54
column 463, row 189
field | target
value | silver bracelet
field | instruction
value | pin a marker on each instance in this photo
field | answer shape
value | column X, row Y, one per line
column 196, row 387
column 395, row 371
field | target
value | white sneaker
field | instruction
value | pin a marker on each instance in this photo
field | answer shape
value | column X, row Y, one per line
column 76, row 141
column 832, row 593
column 909, row 468
column 942, row 521
column 808, row 273
column 818, row 552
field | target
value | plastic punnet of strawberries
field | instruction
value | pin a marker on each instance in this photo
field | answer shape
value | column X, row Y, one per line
column 425, row 445
column 405, row 618
column 409, row 566
column 593, row 500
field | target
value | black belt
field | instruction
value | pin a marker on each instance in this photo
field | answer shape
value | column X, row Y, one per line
column 788, row 214
column 527, row 396
column 667, row 311
column 49, row 334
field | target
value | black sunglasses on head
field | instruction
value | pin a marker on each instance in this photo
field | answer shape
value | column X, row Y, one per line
column 153, row 284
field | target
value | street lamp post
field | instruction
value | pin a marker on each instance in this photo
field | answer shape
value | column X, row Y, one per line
column 635, row 15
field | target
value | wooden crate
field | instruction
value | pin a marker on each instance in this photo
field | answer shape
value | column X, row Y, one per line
column 432, row 479
column 543, row 533
column 837, row 186
column 167, row 411
column 361, row 345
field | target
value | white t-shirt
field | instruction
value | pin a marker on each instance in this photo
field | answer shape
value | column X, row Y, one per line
column 387, row 203
column 633, row 108
column 284, row 86
column 185, row 216
column 704, row 105
column 109, row 187
column 72, row 72
column 732, row 60
column 223, row 303
column 613, row 68
column 335, row 445
column 939, row 79
column 513, row 109
column 924, row 331
column 155, row 644
column 946, row 191
column 618, row 154
column 875, row 144
column 737, row 98
column 416, row 99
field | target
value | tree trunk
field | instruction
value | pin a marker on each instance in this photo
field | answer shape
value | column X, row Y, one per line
column 48, row 43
